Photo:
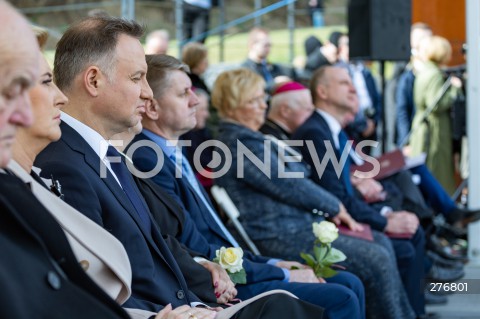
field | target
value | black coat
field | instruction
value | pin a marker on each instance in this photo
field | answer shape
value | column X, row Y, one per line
column 39, row 274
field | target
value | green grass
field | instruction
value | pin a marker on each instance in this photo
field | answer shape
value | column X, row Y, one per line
column 236, row 45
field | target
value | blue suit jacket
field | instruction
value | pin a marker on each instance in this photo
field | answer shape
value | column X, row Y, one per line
column 156, row 276
column 316, row 129
column 200, row 231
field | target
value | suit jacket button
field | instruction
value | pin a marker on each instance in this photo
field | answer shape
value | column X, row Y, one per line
column 315, row 211
column 84, row 264
column 180, row 294
column 53, row 280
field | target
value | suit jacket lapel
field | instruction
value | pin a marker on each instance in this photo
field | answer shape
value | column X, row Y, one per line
column 72, row 138
column 209, row 220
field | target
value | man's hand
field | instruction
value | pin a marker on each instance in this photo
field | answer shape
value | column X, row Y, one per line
column 185, row 312
column 371, row 190
column 224, row 287
column 402, row 222
column 344, row 217
column 305, row 276
column 289, row 264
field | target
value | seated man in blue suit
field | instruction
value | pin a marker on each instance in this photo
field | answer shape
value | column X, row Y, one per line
column 172, row 114
column 336, row 103
column 100, row 65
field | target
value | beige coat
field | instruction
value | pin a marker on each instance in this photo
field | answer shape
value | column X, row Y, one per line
column 100, row 254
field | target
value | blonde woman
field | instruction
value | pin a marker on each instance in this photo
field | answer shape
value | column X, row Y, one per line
column 434, row 135
column 107, row 264
column 278, row 212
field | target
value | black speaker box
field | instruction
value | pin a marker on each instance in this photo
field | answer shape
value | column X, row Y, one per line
column 379, row 29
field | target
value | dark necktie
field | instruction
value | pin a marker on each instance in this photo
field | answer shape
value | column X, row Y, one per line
column 267, row 76
column 129, row 187
column 187, row 172
column 342, row 141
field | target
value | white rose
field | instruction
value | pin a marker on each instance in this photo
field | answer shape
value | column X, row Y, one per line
column 230, row 259
column 326, row 232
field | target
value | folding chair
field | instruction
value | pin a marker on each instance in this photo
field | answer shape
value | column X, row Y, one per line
column 224, row 201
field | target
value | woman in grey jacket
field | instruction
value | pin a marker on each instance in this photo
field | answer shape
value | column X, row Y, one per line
column 278, row 202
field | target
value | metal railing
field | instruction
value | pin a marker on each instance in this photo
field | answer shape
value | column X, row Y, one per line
column 256, row 16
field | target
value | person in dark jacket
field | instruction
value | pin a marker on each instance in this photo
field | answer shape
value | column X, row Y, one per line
column 97, row 182
column 202, row 230
column 259, row 45
column 277, row 209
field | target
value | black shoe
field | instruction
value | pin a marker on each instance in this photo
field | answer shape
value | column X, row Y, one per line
column 434, row 299
column 450, row 232
column 439, row 260
column 462, row 216
column 445, row 249
column 438, row 273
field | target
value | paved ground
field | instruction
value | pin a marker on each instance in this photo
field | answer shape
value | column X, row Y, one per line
column 462, row 306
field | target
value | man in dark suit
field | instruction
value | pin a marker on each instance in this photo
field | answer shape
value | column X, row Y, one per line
column 336, row 103
column 195, row 222
column 100, row 65
column 39, row 274
column 259, row 44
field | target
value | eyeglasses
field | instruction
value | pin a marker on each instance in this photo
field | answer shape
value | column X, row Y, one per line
column 259, row 99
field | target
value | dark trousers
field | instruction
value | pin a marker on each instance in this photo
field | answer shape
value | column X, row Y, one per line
column 342, row 297
column 410, row 260
column 280, row 306
column 434, row 194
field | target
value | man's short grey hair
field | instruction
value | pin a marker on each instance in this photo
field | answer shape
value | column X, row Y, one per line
column 160, row 66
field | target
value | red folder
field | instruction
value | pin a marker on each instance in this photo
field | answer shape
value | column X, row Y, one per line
column 399, row 236
column 366, row 233
column 390, row 163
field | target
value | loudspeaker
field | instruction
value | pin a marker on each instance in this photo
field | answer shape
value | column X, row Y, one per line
column 379, row 29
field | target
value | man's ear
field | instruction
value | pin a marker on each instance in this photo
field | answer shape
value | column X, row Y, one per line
column 285, row 111
column 152, row 110
column 93, row 80
column 321, row 91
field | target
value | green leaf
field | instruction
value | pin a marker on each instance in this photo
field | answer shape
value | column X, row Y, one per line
column 294, row 268
column 325, row 272
column 308, row 259
column 239, row 277
column 335, row 256
column 320, row 252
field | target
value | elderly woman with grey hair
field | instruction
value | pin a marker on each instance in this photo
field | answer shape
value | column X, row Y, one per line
column 278, row 211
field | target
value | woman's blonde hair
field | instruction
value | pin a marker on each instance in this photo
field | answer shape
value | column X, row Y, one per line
column 234, row 88
column 193, row 54
column 436, row 49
